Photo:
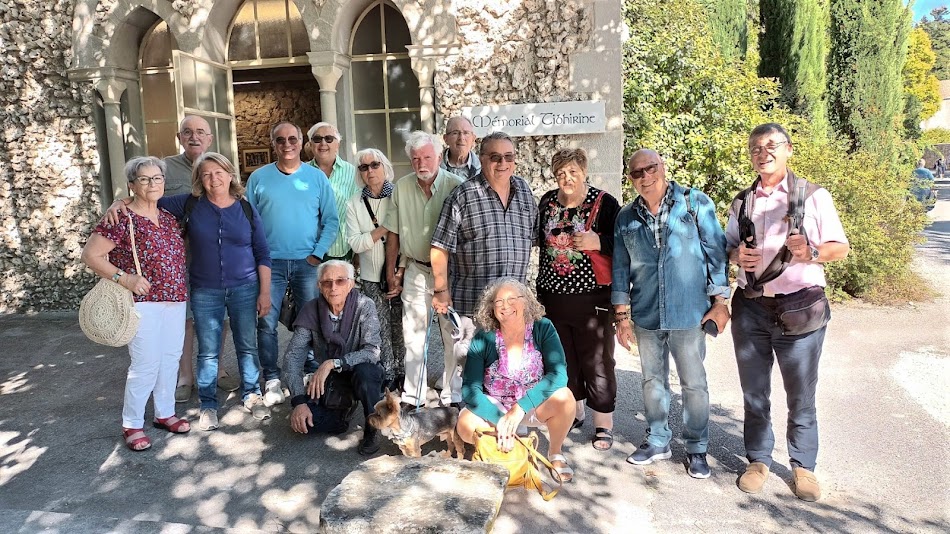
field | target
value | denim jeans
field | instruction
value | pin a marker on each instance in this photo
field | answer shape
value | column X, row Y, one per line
column 208, row 306
column 688, row 348
column 302, row 278
column 758, row 343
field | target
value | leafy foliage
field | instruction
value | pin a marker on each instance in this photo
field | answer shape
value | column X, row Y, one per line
column 728, row 21
column 937, row 26
column 920, row 85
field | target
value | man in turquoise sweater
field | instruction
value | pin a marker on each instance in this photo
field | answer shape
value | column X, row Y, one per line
column 300, row 219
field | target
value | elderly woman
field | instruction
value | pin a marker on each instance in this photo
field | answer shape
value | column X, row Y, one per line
column 577, row 225
column 230, row 275
column 367, row 239
column 515, row 372
column 342, row 328
column 159, row 293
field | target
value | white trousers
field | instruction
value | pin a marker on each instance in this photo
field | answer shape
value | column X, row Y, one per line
column 418, row 284
column 155, row 352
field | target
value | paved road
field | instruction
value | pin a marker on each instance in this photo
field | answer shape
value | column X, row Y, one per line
column 884, row 411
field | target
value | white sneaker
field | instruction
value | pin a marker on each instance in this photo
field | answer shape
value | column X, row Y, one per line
column 255, row 405
column 273, row 392
column 208, row 419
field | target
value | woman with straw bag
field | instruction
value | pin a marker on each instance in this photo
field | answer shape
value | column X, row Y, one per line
column 158, row 288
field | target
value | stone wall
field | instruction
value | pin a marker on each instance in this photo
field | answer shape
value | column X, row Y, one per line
column 257, row 110
column 49, row 189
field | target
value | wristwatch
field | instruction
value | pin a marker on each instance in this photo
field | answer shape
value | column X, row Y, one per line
column 814, row 253
column 337, row 364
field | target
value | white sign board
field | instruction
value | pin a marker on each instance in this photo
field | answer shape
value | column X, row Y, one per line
column 551, row 118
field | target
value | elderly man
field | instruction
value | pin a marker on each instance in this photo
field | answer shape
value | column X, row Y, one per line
column 809, row 236
column 487, row 225
column 458, row 157
column 669, row 279
column 324, row 141
column 342, row 329
column 300, row 219
column 416, row 202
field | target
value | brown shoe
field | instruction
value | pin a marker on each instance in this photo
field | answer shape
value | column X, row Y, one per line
column 806, row 484
column 754, row 477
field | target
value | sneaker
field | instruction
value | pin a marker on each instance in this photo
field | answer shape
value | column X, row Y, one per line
column 370, row 443
column 255, row 405
column 698, row 468
column 646, row 453
column 806, row 484
column 208, row 419
column 273, row 392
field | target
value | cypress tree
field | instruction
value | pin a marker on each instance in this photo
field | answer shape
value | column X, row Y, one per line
column 728, row 22
column 868, row 50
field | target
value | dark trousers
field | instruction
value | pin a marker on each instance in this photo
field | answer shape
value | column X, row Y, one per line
column 758, row 343
column 367, row 382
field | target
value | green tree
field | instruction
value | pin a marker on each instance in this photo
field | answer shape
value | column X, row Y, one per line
column 794, row 49
column 937, row 26
column 868, row 48
column 921, row 88
column 728, row 21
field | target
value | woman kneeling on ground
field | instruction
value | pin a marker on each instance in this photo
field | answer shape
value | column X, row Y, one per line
column 515, row 373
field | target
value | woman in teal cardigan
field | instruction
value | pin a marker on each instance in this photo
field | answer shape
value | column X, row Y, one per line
column 515, row 373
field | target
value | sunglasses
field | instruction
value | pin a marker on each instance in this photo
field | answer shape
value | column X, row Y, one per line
column 497, row 158
column 636, row 174
column 287, row 140
column 363, row 167
column 338, row 282
column 328, row 139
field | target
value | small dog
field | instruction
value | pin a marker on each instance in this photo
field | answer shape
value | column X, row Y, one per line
column 410, row 431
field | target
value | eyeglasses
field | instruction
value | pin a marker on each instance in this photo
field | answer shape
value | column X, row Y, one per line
column 508, row 301
column 338, row 282
column 287, row 140
column 197, row 133
column 328, row 139
column 146, row 180
column 459, row 133
column 637, row 174
column 770, row 148
column 496, row 157
column 363, row 167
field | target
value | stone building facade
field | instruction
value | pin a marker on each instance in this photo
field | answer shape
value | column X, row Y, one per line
column 81, row 95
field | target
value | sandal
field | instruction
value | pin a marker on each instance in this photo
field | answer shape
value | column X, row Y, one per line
column 172, row 424
column 603, row 438
column 566, row 473
column 577, row 424
column 136, row 439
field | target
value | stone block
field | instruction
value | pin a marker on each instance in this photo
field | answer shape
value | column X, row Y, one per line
column 396, row 494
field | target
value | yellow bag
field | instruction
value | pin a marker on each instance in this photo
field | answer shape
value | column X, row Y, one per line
column 521, row 461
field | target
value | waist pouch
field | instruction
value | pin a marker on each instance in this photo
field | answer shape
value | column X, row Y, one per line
column 803, row 311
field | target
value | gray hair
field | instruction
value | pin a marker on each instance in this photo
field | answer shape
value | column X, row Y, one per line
column 376, row 155
column 458, row 118
column 273, row 132
column 485, row 312
column 313, row 129
column 419, row 139
column 134, row 165
column 350, row 271
column 496, row 136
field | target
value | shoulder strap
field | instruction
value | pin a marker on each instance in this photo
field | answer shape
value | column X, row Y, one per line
column 370, row 210
column 189, row 207
column 135, row 254
column 248, row 212
column 594, row 211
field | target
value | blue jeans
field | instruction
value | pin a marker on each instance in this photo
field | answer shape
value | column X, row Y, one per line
column 759, row 342
column 302, row 278
column 688, row 348
column 208, row 306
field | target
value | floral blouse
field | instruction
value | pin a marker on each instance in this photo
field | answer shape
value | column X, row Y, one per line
column 161, row 253
column 564, row 269
column 507, row 384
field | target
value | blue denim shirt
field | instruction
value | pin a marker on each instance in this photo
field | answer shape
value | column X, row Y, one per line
column 666, row 284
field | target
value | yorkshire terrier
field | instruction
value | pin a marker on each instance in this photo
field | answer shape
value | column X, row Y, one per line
column 410, row 431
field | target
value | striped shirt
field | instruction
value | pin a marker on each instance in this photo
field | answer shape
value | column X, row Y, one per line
column 343, row 182
column 485, row 239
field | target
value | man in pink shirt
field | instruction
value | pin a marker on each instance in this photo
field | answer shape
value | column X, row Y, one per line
column 761, row 332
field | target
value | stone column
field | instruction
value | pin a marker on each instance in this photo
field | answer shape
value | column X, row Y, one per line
column 425, row 60
column 328, row 67
column 111, row 90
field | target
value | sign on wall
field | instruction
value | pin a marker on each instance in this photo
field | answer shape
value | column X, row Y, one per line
column 550, row 118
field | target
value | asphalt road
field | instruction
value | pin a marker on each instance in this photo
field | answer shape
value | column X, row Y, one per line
column 883, row 408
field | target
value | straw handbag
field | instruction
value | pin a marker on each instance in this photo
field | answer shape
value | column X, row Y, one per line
column 107, row 313
column 521, row 461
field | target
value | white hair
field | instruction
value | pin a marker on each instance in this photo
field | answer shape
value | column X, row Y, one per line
column 419, row 139
column 313, row 129
column 376, row 155
column 350, row 271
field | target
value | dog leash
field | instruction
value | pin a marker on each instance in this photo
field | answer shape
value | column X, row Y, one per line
column 456, row 321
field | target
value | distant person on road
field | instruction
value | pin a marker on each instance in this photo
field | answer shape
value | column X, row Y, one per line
column 939, row 168
column 780, row 312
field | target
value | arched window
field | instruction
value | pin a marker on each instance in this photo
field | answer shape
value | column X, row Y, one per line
column 158, row 91
column 385, row 89
column 266, row 33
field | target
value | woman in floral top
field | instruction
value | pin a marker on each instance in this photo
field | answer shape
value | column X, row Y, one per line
column 576, row 229
column 515, row 372
column 159, row 292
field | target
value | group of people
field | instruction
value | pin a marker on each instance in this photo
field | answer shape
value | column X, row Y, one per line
column 450, row 244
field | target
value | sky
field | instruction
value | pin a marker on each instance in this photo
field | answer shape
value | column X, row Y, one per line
column 923, row 7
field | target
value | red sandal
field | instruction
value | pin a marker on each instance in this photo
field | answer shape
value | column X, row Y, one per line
column 173, row 424
column 136, row 439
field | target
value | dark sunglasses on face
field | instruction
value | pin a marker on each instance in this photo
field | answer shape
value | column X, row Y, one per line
column 328, row 139
column 287, row 140
column 636, row 174
column 496, row 158
column 338, row 282
column 363, row 167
